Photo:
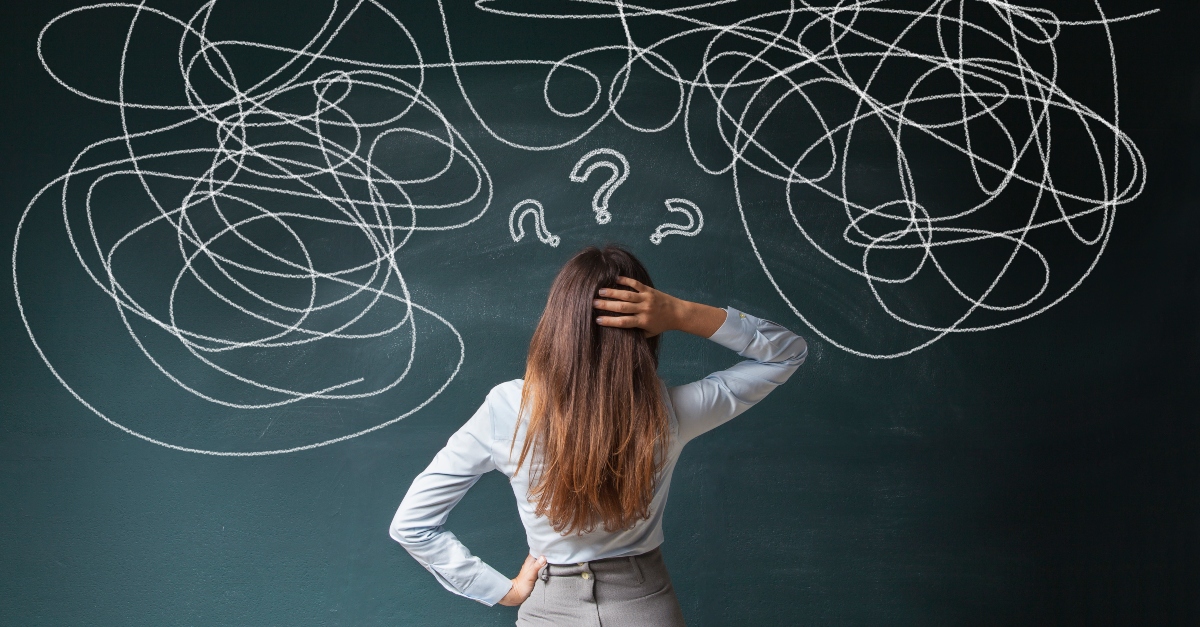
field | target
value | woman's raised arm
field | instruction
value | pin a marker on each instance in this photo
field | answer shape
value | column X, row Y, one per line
column 772, row 352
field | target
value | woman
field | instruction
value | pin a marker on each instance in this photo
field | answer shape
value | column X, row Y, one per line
column 590, row 459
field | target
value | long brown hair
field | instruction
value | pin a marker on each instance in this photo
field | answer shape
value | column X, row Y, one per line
column 593, row 399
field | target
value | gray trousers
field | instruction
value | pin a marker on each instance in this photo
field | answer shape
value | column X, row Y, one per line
column 612, row 592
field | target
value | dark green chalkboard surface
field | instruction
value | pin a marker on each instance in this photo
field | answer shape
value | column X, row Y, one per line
column 268, row 255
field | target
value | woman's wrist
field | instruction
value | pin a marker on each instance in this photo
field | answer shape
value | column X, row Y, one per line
column 512, row 597
column 697, row 318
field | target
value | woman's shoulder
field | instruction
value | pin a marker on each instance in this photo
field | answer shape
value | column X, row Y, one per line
column 508, row 389
column 504, row 402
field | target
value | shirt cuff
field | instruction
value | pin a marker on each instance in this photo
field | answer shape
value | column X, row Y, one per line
column 488, row 587
column 736, row 332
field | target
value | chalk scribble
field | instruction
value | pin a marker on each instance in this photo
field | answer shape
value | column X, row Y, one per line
column 247, row 175
column 978, row 80
column 294, row 164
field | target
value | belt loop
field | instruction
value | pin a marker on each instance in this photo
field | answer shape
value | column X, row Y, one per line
column 637, row 568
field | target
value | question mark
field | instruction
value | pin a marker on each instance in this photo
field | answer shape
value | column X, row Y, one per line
column 539, row 222
column 687, row 208
column 619, row 174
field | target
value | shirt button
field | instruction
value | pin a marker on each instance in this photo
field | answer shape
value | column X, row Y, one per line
column 586, row 576
column 742, row 315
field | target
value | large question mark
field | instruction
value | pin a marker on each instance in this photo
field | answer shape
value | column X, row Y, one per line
column 619, row 174
column 539, row 222
column 687, row 208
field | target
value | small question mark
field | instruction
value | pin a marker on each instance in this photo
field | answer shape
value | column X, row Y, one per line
column 687, row 208
column 516, row 217
column 619, row 174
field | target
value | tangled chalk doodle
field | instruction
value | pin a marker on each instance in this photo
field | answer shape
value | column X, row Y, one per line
column 291, row 161
column 979, row 79
column 256, row 171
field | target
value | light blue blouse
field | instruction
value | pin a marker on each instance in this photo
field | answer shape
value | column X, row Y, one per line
column 482, row 444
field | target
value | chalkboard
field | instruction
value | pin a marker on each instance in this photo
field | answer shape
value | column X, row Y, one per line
column 267, row 256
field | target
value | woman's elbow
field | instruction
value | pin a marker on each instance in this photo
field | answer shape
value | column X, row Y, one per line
column 406, row 529
column 412, row 538
column 799, row 350
column 400, row 534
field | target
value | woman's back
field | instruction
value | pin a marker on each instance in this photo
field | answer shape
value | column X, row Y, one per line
column 492, row 438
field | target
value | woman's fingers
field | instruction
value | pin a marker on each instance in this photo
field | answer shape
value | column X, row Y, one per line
column 647, row 308
column 615, row 305
column 624, row 280
column 522, row 584
column 622, row 322
column 529, row 571
column 616, row 294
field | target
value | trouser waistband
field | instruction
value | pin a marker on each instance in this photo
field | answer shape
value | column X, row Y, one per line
column 599, row 567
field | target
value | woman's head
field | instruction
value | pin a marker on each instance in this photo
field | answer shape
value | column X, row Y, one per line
column 593, row 399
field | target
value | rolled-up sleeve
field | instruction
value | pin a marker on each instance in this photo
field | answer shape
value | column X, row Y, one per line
column 418, row 524
column 772, row 354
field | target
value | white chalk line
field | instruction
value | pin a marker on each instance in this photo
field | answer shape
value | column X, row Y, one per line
column 356, row 191
column 533, row 208
column 694, row 224
column 618, row 165
column 797, row 50
column 755, row 45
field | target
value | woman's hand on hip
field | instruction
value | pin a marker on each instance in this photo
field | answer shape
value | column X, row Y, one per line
column 654, row 312
column 522, row 585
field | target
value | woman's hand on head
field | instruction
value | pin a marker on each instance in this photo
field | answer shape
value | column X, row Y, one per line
column 644, row 307
column 522, row 585
column 655, row 312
